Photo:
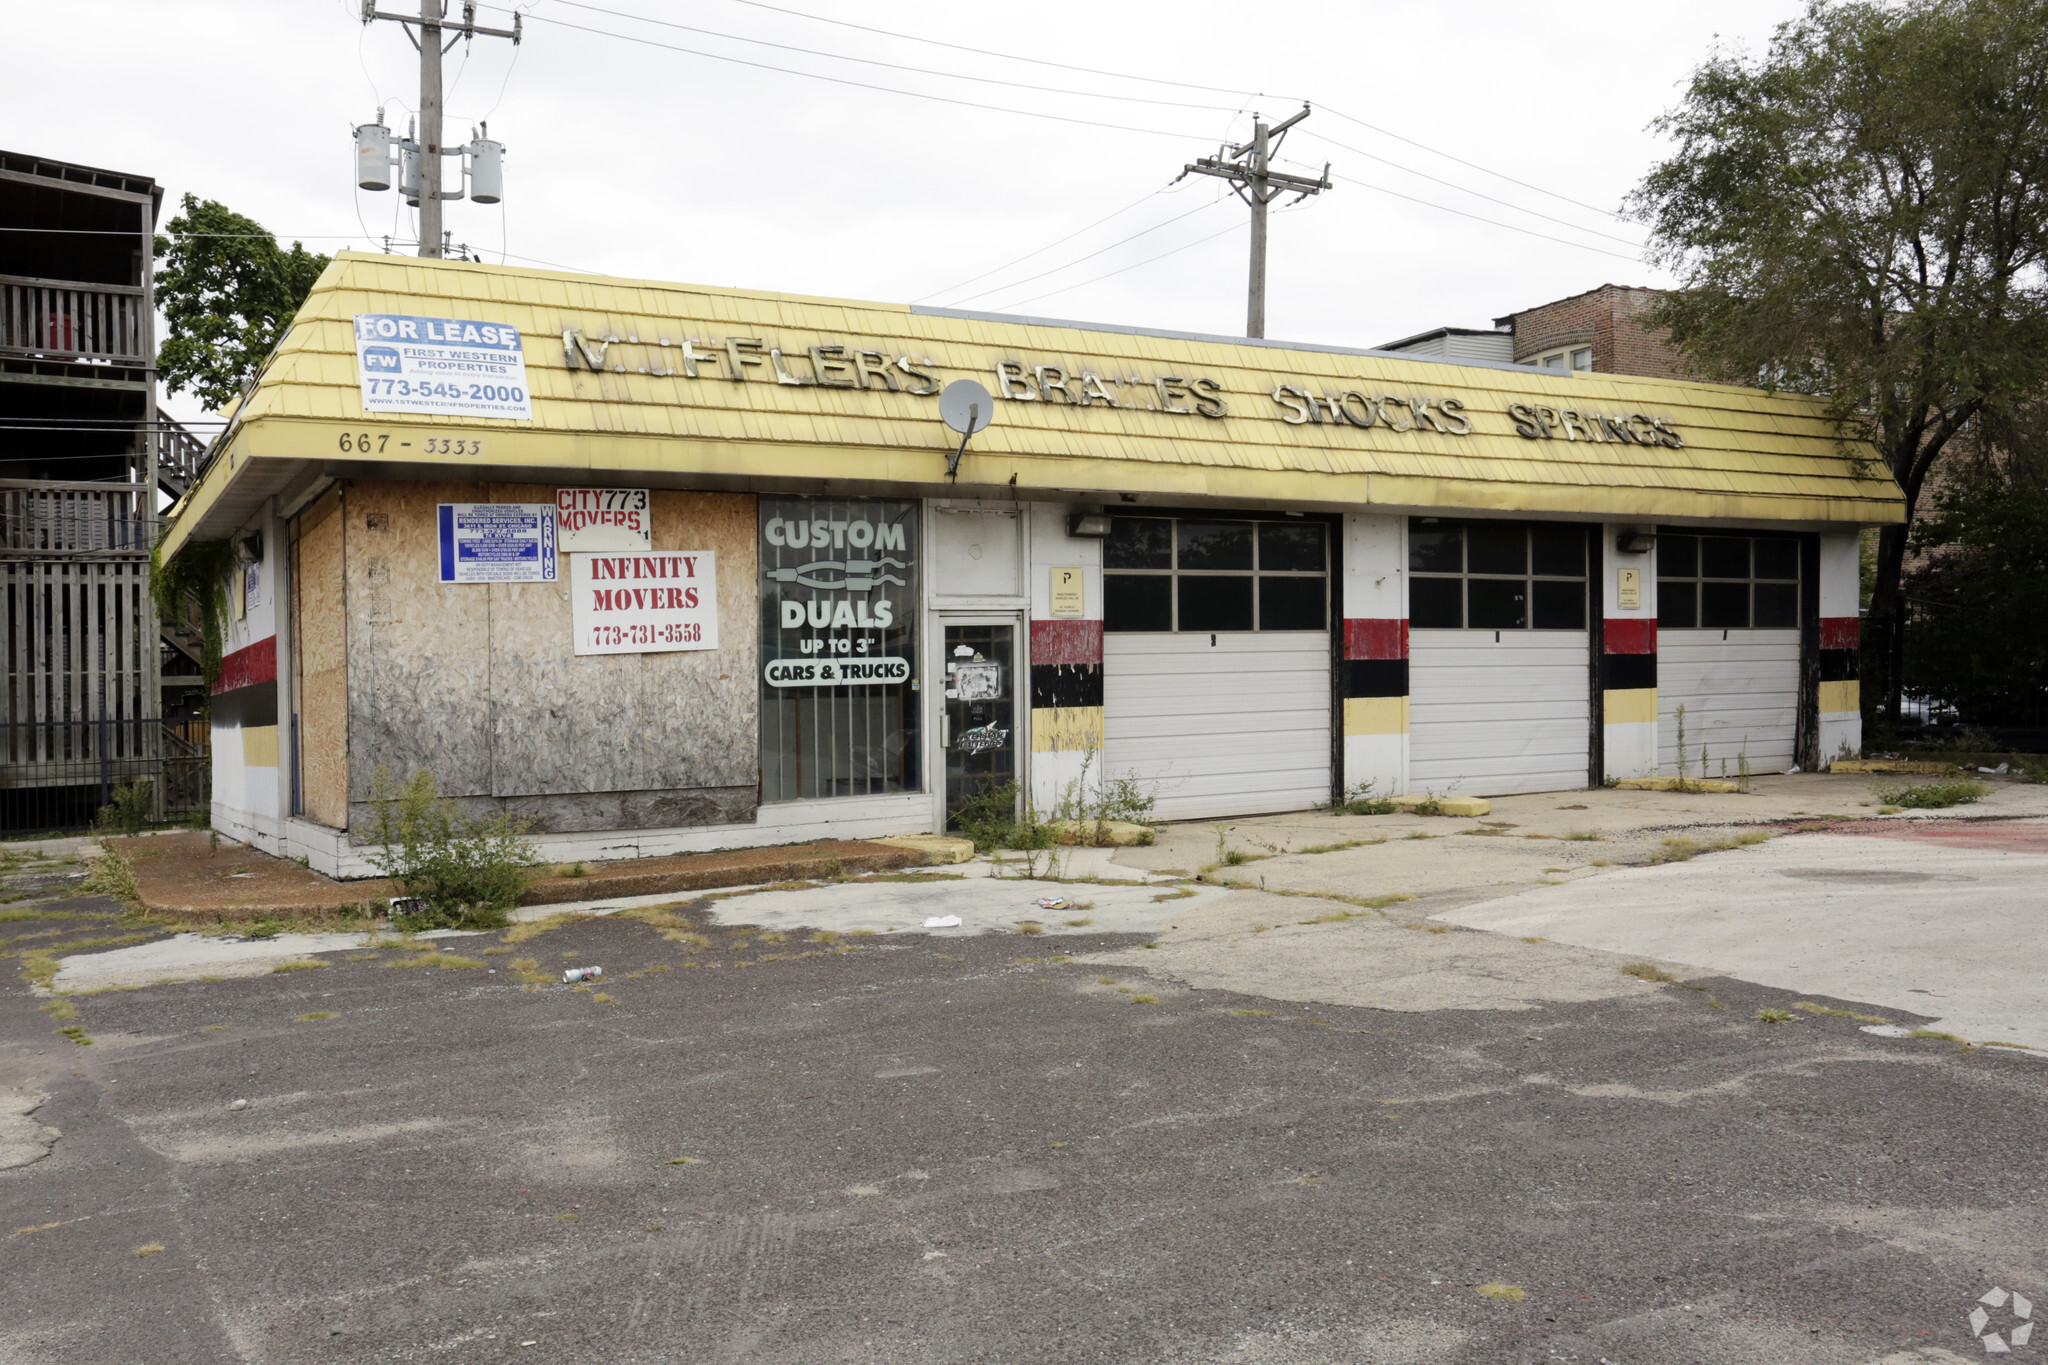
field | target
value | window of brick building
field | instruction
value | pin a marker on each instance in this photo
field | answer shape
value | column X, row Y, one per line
column 1570, row 358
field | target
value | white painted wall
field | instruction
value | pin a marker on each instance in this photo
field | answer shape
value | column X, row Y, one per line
column 1376, row 588
column 1629, row 748
column 1841, row 596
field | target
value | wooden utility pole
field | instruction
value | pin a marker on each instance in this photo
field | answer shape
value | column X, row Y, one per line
column 431, row 24
column 1249, row 170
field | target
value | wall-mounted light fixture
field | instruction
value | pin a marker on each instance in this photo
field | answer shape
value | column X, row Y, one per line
column 1088, row 525
column 1635, row 542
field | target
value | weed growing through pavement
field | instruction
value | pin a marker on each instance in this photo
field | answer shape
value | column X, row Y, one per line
column 534, row 928
column 312, row 1016
column 111, row 875
column 1678, row 849
column 76, row 1035
column 1582, row 836
column 1359, row 800
column 1080, row 923
column 149, row 1248
column 61, row 1008
column 31, row 913
column 1177, row 894
column 466, row 872
column 302, row 964
column 1531, row 938
column 1647, row 971
column 1811, row 1008
column 1774, row 1016
column 1931, row 795
column 1716, row 1005
column 1505, row 1293
column 1937, row 1035
column 1144, row 1000
column 684, row 1161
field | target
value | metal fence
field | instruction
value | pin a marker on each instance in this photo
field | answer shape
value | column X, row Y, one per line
column 56, row 775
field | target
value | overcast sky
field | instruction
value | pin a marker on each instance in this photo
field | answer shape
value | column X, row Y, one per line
column 632, row 159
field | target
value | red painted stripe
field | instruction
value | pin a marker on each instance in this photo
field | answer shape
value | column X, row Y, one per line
column 248, row 666
column 1840, row 632
column 1375, row 639
column 1066, row 642
column 1629, row 635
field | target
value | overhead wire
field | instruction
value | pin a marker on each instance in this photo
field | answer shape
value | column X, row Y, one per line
column 872, row 61
column 1187, row 246
column 1142, row 199
column 1028, row 279
column 1473, row 165
column 1481, row 218
column 864, row 85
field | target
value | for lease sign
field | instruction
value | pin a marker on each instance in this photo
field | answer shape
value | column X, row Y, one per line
column 644, row 603
column 455, row 366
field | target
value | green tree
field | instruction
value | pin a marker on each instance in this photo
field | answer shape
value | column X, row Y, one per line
column 229, row 292
column 1862, row 214
column 1980, row 594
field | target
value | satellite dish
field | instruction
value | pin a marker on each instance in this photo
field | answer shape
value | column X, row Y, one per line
column 966, row 407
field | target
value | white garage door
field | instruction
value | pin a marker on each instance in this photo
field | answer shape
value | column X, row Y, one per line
column 1491, row 717
column 1239, row 727
column 1740, row 694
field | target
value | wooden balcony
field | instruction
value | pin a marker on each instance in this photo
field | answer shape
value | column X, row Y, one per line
column 65, row 520
column 65, row 320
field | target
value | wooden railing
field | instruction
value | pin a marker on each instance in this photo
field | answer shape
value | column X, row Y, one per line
column 178, row 453
column 66, row 320
column 53, row 519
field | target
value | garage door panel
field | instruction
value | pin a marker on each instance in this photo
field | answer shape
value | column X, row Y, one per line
column 1492, row 718
column 1740, row 694
column 1231, row 728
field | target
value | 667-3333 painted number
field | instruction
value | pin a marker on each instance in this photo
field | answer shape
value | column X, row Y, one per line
column 378, row 442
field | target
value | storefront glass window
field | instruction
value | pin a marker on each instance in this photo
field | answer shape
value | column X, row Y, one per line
column 1496, row 575
column 1199, row 574
column 839, row 694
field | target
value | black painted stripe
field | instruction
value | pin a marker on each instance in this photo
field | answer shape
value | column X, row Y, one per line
column 1060, row 685
column 1626, row 672
column 1839, row 665
column 252, row 705
column 1375, row 678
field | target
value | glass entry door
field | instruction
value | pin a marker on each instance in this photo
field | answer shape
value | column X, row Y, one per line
column 978, row 726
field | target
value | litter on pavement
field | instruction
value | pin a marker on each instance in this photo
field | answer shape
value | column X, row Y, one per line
column 942, row 922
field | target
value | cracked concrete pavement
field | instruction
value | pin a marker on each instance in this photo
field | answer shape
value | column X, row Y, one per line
column 1296, row 1128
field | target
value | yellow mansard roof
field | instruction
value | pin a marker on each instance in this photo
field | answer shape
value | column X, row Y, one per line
column 1080, row 409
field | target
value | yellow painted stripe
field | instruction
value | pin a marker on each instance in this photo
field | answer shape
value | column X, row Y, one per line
column 1066, row 728
column 1838, row 697
column 259, row 746
column 1375, row 715
column 1630, row 706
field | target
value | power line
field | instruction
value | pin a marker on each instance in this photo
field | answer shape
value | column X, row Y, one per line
column 1511, row 227
column 1047, row 247
column 860, row 85
column 1451, row 184
column 1499, row 175
column 870, row 61
column 1133, row 266
column 1014, row 284
column 982, row 51
column 1156, row 80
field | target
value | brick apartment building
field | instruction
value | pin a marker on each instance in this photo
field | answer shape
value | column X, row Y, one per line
column 1602, row 330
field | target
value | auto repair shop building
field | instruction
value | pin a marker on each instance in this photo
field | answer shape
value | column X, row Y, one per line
column 661, row 567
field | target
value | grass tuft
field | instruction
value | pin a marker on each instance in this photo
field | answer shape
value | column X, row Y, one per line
column 1773, row 1016
column 1144, row 1000
column 1256, row 1014
column 1505, row 1293
column 1811, row 1008
column 301, row 964
column 1647, row 971
column 1937, row 1035
column 312, row 1017
column 1931, row 795
column 149, row 1248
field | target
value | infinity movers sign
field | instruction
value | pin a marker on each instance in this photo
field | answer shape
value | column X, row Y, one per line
column 644, row 603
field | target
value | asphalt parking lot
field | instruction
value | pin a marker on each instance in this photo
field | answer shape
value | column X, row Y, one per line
column 993, row 1148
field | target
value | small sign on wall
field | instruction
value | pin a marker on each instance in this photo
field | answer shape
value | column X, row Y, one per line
column 590, row 519
column 497, row 542
column 1628, row 589
column 1069, row 592
column 644, row 603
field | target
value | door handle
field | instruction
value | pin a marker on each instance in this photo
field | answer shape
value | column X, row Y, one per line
column 945, row 729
